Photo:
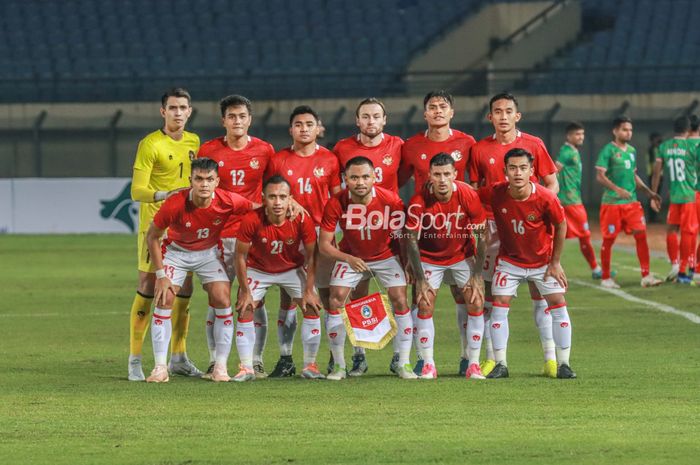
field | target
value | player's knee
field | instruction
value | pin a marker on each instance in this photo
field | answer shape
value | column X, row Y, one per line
column 147, row 283
column 457, row 294
column 425, row 309
column 555, row 299
column 475, row 309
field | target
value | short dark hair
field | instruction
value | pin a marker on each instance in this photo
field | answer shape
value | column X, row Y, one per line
column 370, row 101
column 442, row 93
column 205, row 164
column 681, row 124
column 620, row 120
column 574, row 126
column 276, row 179
column 694, row 122
column 175, row 92
column 235, row 101
column 517, row 152
column 303, row 110
column 503, row 96
column 359, row 160
column 442, row 159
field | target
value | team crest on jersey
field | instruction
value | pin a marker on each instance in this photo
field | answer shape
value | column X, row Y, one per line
column 289, row 172
column 492, row 161
column 170, row 157
column 456, row 155
column 504, row 210
column 531, row 217
column 618, row 155
column 191, row 155
column 221, row 163
column 264, row 240
column 387, row 160
column 319, row 172
column 423, row 156
column 366, row 311
column 290, row 241
column 255, row 164
column 188, row 224
column 217, row 221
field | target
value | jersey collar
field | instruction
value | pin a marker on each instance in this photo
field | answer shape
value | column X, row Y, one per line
column 426, row 133
column 517, row 134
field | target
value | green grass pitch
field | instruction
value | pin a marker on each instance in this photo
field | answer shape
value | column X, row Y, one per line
column 64, row 398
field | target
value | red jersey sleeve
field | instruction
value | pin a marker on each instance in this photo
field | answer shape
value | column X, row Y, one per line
column 167, row 213
column 331, row 215
column 271, row 168
column 476, row 212
column 473, row 165
column 545, row 165
column 554, row 210
column 308, row 232
column 240, row 204
column 405, row 168
column 414, row 211
column 335, row 175
column 248, row 228
column 486, row 194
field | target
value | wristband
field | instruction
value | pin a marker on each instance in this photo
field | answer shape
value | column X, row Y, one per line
column 159, row 195
column 160, row 274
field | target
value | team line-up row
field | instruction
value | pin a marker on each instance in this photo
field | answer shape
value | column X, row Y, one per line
column 275, row 216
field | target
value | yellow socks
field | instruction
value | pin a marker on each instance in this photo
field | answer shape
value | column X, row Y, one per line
column 181, row 325
column 139, row 320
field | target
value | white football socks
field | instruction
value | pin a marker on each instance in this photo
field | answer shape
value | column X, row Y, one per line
column 286, row 327
column 543, row 322
column 336, row 338
column 499, row 332
column 404, row 336
column 223, row 334
column 475, row 334
column 461, row 313
column 561, row 329
column 310, row 338
column 260, row 323
column 245, row 341
column 161, row 331
column 426, row 338
column 488, row 306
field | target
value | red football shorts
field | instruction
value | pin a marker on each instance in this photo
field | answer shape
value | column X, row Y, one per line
column 627, row 217
column 576, row 221
column 683, row 215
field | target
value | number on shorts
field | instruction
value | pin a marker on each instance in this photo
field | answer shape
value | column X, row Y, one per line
column 486, row 263
column 253, row 284
column 304, row 185
column 518, row 226
column 202, row 233
column 500, row 279
column 237, row 177
column 169, row 271
column 340, row 271
column 277, row 247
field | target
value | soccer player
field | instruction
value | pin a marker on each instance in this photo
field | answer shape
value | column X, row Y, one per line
column 314, row 174
column 384, row 151
column 368, row 248
column 161, row 168
column 569, row 177
column 616, row 170
column 417, row 151
column 272, row 249
column 486, row 167
column 194, row 219
column 677, row 159
column 694, row 143
column 525, row 215
column 242, row 161
column 441, row 221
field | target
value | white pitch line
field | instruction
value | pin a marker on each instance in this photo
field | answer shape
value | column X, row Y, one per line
column 629, row 297
column 44, row 315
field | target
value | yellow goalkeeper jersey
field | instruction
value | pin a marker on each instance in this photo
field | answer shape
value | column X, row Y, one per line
column 162, row 164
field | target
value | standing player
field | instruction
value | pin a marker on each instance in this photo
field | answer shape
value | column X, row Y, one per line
column 441, row 221
column 487, row 168
column 161, row 168
column 616, row 170
column 242, row 161
column 417, row 151
column 694, row 143
column 525, row 214
column 384, row 151
column 569, row 177
column 269, row 251
column 677, row 159
column 194, row 219
column 368, row 248
column 314, row 174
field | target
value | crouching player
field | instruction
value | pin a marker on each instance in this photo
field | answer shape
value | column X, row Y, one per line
column 194, row 219
column 524, row 213
column 273, row 249
column 368, row 248
column 441, row 220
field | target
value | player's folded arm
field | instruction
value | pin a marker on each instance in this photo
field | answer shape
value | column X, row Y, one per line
column 140, row 191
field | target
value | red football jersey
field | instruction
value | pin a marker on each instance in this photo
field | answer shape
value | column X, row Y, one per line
column 273, row 248
column 386, row 158
column 194, row 228
column 370, row 242
column 524, row 226
column 445, row 228
column 241, row 171
column 486, row 165
column 418, row 150
column 312, row 178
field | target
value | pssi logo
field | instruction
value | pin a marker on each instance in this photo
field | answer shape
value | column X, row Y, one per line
column 476, row 338
column 239, row 333
column 423, row 340
column 366, row 311
column 158, row 322
column 407, row 331
column 121, row 208
column 564, row 324
column 496, row 325
column 315, row 332
column 332, row 335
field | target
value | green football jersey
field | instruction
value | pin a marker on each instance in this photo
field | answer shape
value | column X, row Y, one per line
column 620, row 167
column 679, row 168
column 695, row 148
column 570, row 175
